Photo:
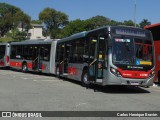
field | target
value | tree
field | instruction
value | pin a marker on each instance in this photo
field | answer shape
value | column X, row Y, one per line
column 114, row 23
column 25, row 21
column 54, row 20
column 73, row 27
column 11, row 17
column 17, row 35
column 144, row 22
column 128, row 23
column 99, row 21
column 36, row 22
column 78, row 25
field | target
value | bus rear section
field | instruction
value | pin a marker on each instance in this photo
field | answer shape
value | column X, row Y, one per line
column 108, row 56
column 155, row 29
column 4, row 54
column 32, row 55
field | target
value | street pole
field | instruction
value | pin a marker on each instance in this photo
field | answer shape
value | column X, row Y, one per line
column 135, row 13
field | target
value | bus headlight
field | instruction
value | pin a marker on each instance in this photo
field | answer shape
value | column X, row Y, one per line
column 115, row 72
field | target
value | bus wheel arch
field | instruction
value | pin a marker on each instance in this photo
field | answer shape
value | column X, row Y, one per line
column 84, row 77
column 24, row 67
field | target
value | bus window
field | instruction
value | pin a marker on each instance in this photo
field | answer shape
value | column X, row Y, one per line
column 80, row 50
column 19, row 52
column 144, row 51
column 93, row 47
column 45, row 52
column 60, row 53
column 13, row 52
column 2, row 51
column 86, row 51
column 27, row 52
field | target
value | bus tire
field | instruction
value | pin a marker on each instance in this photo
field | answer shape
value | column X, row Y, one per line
column 24, row 67
column 84, row 79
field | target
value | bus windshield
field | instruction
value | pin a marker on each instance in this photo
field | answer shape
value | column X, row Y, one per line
column 132, row 51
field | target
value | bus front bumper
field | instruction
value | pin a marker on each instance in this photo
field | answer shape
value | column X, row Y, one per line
column 128, row 81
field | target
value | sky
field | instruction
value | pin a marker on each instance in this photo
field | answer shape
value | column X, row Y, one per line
column 118, row 10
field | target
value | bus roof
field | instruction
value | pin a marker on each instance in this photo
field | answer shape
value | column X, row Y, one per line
column 47, row 41
column 152, row 26
column 81, row 34
column 4, row 43
column 85, row 33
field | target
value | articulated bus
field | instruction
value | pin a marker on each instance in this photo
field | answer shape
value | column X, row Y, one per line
column 4, row 54
column 155, row 29
column 33, row 55
column 110, row 55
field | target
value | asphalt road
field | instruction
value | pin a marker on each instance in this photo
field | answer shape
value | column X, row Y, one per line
column 33, row 92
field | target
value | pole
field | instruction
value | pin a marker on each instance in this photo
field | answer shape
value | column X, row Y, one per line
column 135, row 13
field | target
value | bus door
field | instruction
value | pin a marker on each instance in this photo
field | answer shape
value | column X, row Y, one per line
column 66, row 57
column 36, row 58
column 96, row 58
column 63, row 56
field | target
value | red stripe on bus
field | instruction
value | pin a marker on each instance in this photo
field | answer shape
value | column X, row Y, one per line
column 72, row 70
column 15, row 64
column 43, row 67
column 134, row 74
column 1, row 63
column 29, row 65
column 7, row 59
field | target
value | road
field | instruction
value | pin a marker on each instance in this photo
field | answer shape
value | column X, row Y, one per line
column 33, row 92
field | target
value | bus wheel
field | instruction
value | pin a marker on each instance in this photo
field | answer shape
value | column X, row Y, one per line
column 84, row 78
column 24, row 67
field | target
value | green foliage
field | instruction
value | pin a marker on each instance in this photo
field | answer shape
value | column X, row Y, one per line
column 114, row 23
column 73, row 27
column 16, row 35
column 36, row 22
column 99, row 21
column 6, row 39
column 11, row 17
column 144, row 23
column 78, row 25
column 54, row 20
column 129, row 23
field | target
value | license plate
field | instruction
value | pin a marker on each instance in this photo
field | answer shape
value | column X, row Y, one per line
column 134, row 83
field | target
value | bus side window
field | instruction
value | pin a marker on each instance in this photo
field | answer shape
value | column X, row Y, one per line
column 2, row 51
column 13, row 52
column 71, row 53
column 45, row 52
column 59, row 53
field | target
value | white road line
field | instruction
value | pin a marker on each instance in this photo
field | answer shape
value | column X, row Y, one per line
column 80, row 104
column 46, row 80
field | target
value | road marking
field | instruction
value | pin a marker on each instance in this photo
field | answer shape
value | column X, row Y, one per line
column 46, row 80
column 80, row 104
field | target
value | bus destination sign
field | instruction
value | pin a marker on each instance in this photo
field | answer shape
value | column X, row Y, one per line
column 137, row 33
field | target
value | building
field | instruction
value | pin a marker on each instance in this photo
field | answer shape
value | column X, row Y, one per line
column 35, row 32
